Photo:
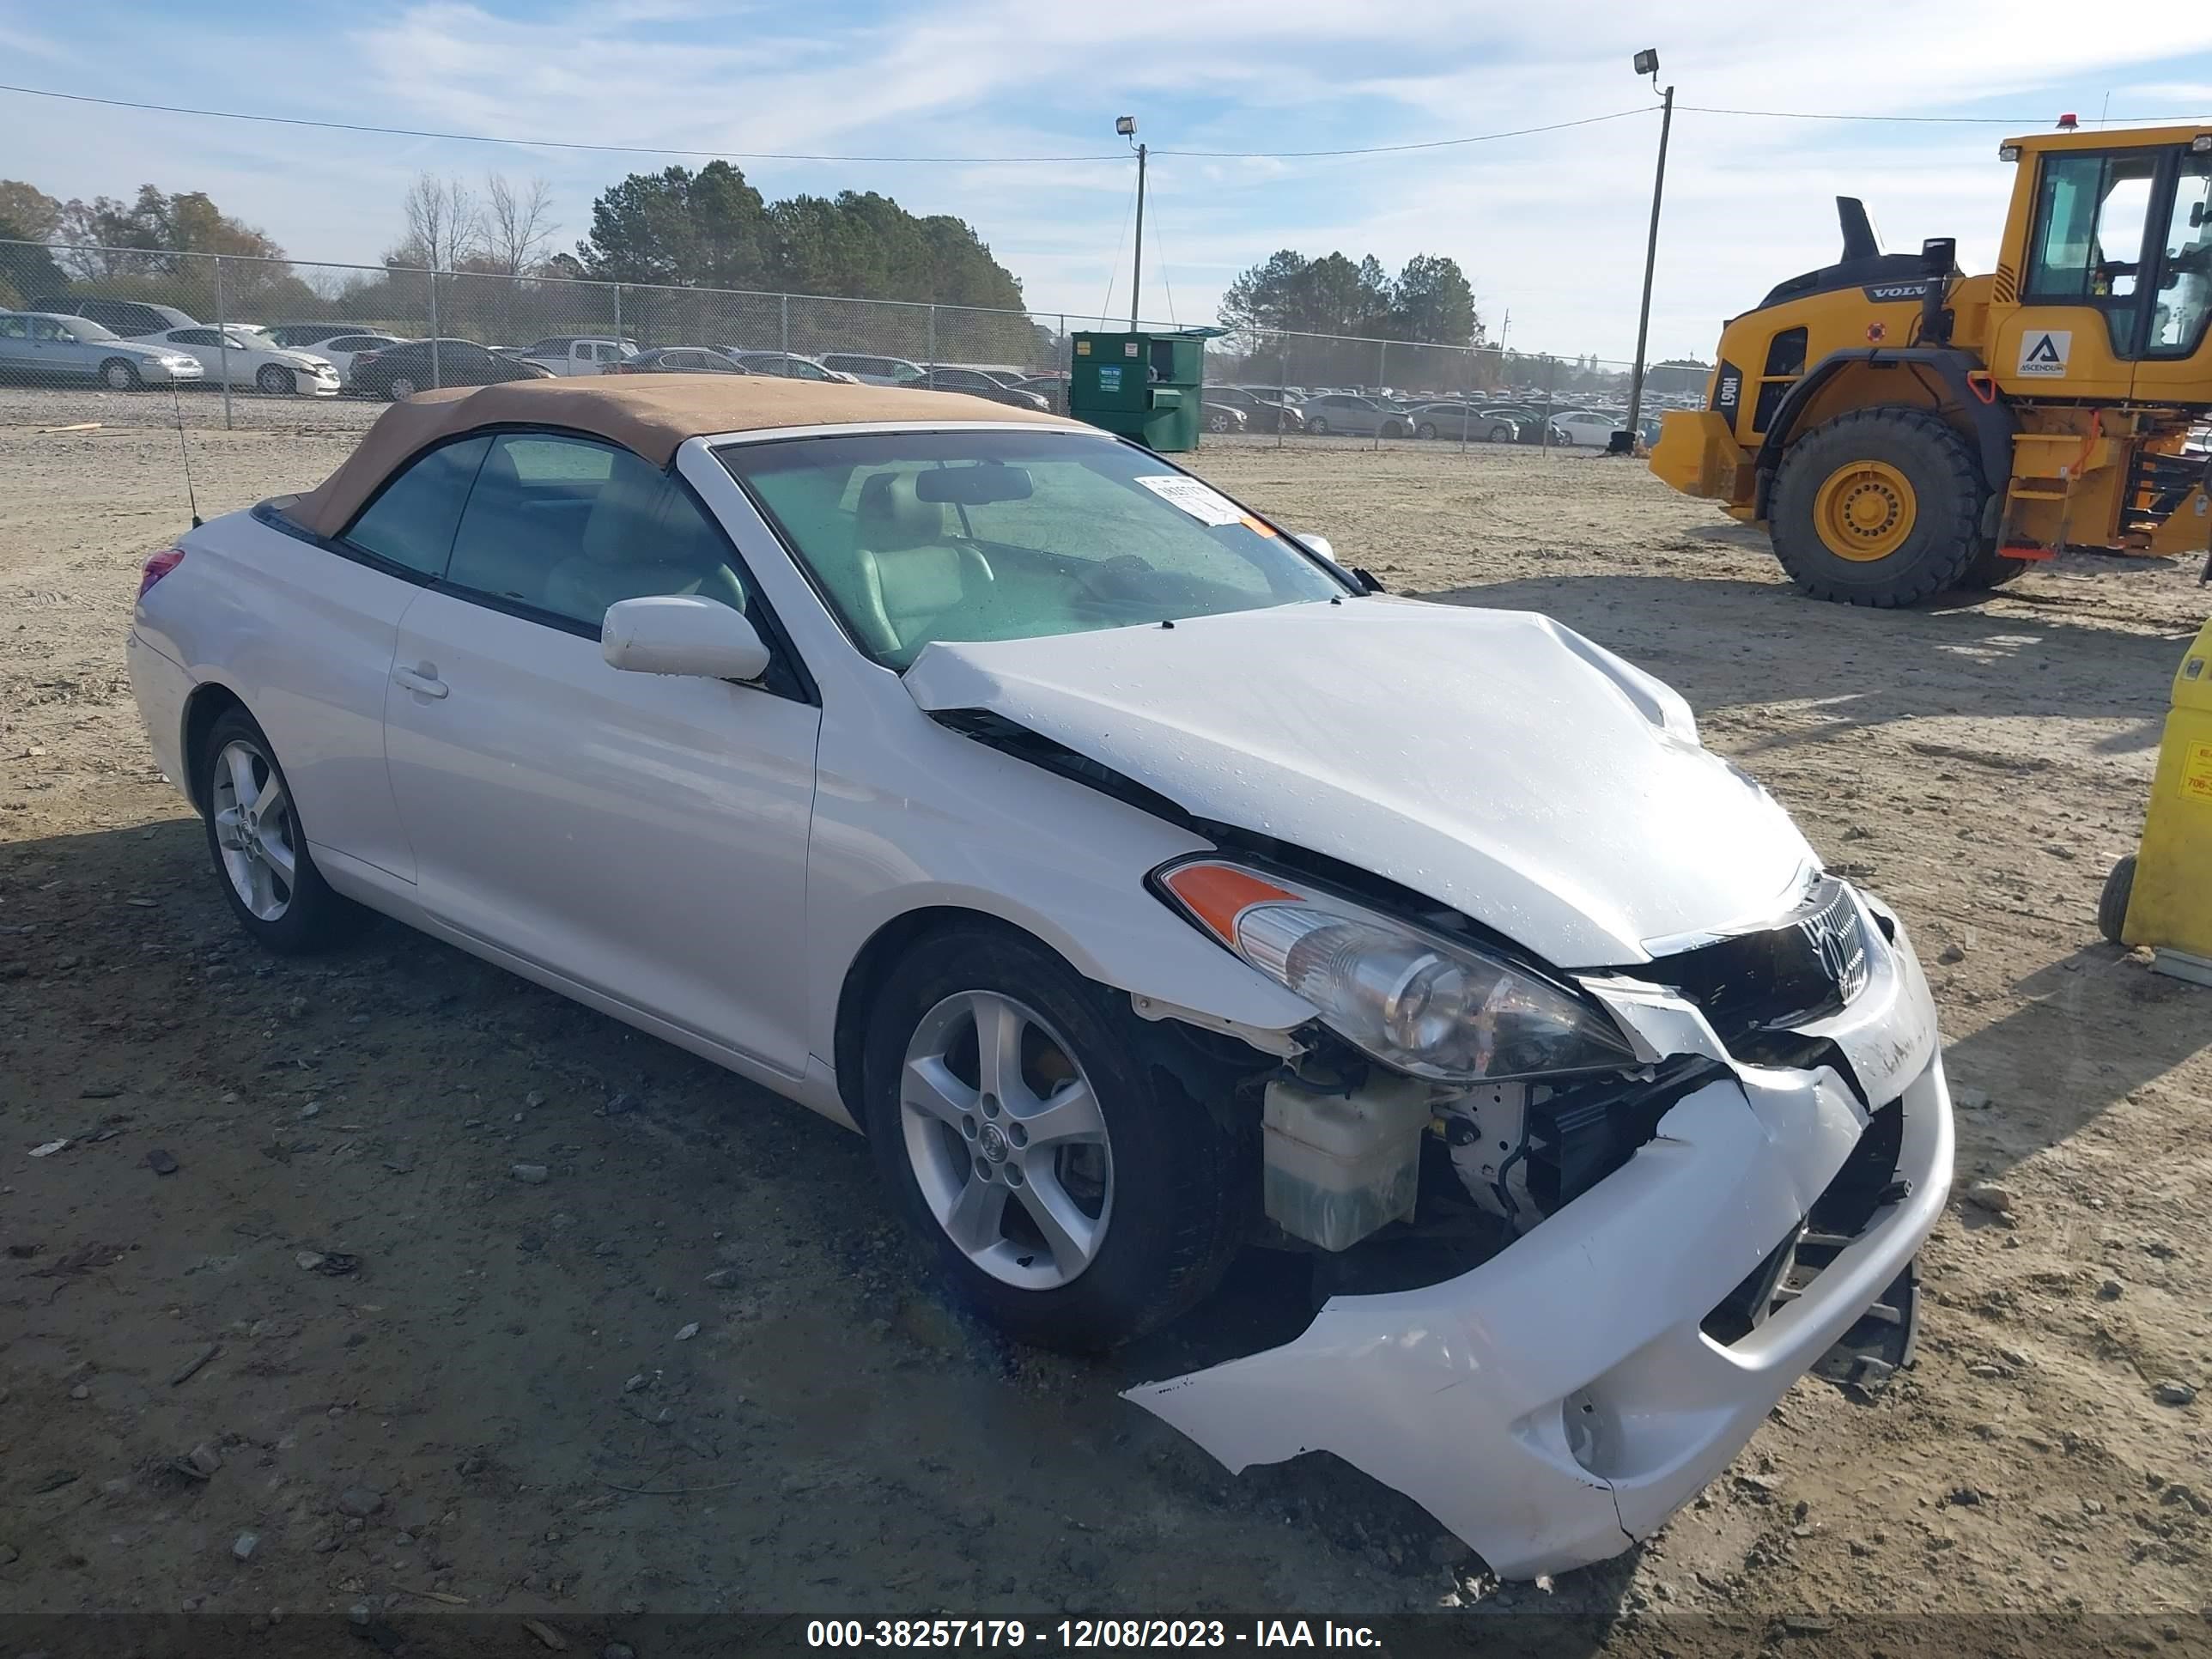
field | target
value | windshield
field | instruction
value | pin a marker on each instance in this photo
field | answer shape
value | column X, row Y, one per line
column 915, row 536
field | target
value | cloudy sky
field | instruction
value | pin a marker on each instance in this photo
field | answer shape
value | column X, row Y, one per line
column 1549, row 226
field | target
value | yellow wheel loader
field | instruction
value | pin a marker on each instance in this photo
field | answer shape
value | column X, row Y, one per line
column 1902, row 429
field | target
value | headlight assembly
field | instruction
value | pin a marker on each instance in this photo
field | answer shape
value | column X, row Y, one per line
column 1428, row 1005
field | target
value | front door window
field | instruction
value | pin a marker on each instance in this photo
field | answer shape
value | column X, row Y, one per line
column 2185, row 294
column 2091, row 215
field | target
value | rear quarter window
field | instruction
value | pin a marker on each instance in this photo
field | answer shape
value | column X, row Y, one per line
column 411, row 522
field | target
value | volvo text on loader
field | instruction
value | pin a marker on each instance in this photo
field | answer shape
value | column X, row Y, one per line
column 1902, row 429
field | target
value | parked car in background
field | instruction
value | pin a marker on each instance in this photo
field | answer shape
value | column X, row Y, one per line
column 1460, row 421
column 792, row 365
column 1053, row 388
column 677, row 360
column 341, row 348
column 1582, row 426
column 1429, row 941
column 1262, row 412
column 1217, row 416
column 37, row 345
column 128, row 319
column 1351, row 412
column 253, row 360
column 579, row 353
column 951, row 377
column 1529, row 426
column 401, row 371
column 300, row 336
column 875, row 371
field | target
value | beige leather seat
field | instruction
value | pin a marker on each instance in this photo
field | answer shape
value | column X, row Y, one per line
column 644, row 538
column 911, row 572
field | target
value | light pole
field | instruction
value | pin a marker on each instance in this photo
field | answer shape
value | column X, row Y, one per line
column 1647, row 62
column 1126, row 126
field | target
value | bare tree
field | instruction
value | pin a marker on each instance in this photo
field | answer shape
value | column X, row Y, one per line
column 444, row 224
column 518, row 224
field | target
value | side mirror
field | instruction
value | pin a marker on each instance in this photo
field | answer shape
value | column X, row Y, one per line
column 1319, row 545
column 682, row 634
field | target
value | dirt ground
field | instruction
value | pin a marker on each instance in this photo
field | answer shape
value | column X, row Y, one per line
column 497, row 1407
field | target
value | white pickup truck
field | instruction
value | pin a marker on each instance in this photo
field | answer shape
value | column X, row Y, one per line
column 579, row 353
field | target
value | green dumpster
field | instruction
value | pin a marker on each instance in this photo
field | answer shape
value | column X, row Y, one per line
column 1147, row 386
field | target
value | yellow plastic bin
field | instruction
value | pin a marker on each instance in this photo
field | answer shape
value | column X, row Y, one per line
column 2161, row 893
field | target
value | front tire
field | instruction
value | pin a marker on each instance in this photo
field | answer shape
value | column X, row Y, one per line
column 259, row 851
column 272, row 381
column 120, row 374
column 1501, row 435
column 1879, row 506
column 1316, row 425
column 1068, row 1188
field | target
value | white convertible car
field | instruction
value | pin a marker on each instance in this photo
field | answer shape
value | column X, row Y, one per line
column 1145, row 885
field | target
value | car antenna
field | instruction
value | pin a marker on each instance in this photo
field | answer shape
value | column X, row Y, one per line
column 185, row 451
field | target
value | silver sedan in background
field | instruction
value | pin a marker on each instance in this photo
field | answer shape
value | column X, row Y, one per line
column 40, row 345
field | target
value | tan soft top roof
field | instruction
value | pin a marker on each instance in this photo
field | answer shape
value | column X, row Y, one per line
column 648, row 414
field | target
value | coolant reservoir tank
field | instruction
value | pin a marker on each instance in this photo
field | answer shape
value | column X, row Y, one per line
column 1338, row 1166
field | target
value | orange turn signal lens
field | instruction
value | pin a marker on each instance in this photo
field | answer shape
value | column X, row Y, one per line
column 1217, row 894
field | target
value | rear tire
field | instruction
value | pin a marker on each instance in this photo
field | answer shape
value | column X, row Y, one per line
column 401, row 389
column 1990, row 569
column 1879, row 506
column 2112, row 902
column 254, row 834
column 1162, row 1214
column 1427, row 430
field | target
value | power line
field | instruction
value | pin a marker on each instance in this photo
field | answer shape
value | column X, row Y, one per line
column 1390, row 149
column 2021, row 122
column 534, row 143
column 2025, row 122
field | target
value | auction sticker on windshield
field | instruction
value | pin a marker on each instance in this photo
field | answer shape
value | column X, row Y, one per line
column 1204, row 504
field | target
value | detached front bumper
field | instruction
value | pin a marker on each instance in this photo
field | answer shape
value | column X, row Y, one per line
column 1562, row 1400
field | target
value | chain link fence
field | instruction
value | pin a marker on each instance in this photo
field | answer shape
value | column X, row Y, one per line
column 227, row 334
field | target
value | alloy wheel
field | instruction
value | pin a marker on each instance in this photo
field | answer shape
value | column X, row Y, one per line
column 1006, row 1140
column 254, row 830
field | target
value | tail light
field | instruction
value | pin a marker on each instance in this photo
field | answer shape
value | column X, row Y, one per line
column 158, row 567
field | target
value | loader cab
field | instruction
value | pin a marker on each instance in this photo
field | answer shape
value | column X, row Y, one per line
column 2104, row 284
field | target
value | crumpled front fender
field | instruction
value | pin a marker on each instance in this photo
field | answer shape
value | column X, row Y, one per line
column 1562, row 1400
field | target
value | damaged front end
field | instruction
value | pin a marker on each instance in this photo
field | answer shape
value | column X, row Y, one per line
column 1685, row 1230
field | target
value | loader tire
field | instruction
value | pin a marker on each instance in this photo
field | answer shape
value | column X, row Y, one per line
column 1990, row 569
column 2112, row 902
column 1879, row 506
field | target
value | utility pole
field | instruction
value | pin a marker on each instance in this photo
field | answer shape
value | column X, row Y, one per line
column 1647, row 62
column 1126, row 125
column 1136, row 258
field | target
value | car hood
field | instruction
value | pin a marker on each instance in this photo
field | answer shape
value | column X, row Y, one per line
column 1490, row 760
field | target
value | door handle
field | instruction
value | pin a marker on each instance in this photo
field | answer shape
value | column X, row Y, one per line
column 422, row 681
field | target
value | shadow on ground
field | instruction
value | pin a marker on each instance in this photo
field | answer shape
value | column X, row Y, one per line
column 1726, row 643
